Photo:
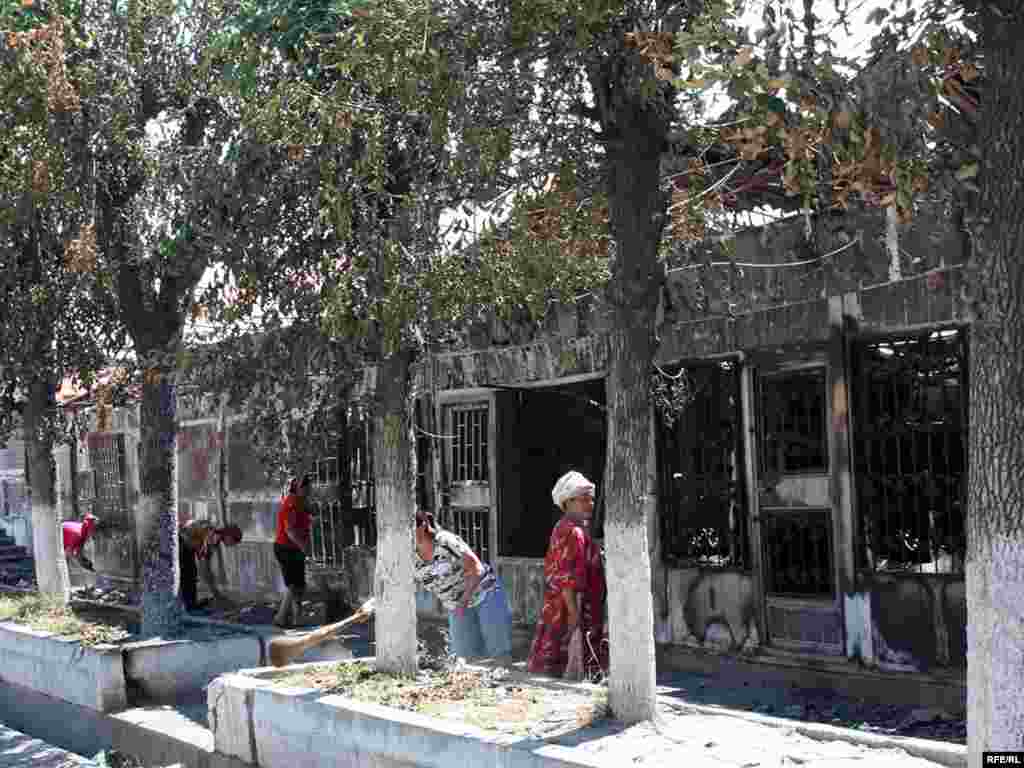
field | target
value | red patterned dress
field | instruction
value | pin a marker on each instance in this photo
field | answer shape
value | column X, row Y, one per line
column 573, row 561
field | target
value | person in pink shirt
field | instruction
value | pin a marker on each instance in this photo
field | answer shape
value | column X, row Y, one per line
column 75, row 537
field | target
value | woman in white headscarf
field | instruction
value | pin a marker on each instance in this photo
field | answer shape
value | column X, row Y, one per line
column 574, row 586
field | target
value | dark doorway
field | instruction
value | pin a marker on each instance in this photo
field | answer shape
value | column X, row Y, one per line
column 542, row 434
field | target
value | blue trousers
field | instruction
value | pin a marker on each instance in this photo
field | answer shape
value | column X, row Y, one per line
column 484, row 631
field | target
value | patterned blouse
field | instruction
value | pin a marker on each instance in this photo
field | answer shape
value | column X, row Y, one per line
column 444, row 576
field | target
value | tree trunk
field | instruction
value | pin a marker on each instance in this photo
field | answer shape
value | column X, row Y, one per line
column 156, row 515
column 637, row 209
column 394, row 488
column 47, row 542
column 995, row 516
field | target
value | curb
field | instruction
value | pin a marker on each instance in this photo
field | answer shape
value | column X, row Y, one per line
column 943, row 753
column 17, row 590
column 242, row 629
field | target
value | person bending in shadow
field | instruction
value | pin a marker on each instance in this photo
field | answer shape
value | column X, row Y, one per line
column 198, row 540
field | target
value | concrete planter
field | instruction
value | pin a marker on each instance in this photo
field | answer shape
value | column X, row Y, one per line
column 91, row 677
column 271, row 726
column 99, row 677
column 163, row 670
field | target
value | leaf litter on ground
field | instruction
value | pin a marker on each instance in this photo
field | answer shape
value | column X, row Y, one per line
column 490, row 699
column 48, row 613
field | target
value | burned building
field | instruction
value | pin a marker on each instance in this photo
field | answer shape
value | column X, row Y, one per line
column 811, row 490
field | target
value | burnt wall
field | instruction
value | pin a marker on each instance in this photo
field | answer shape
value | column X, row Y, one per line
column 710, row 609
column 918, row 621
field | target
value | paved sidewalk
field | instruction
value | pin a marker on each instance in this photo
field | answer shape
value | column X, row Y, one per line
column 20, row 751
column 701, row 740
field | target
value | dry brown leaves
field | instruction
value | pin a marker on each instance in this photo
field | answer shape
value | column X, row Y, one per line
column 45, row 45
column 657, row 48
column 458, row 686
column 751, row 142
column 553, row 222
column 685, row 223
column 343, row 120
column 80, row 253
column 40, row 177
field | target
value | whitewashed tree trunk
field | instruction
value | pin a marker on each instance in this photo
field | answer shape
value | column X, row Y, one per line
column 394, row 484
column 637, row 218
column 632, row 691
column 47, row 542
column 995, row 509
column 156, row 515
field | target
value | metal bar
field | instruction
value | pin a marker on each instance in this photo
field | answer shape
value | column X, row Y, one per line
column 476, row 422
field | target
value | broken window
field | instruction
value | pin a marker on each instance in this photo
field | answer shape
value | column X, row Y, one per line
column 794, row 439
column 910, row 451
column 702, row 502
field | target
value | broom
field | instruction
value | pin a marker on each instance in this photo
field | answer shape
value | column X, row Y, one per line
column 284, row 650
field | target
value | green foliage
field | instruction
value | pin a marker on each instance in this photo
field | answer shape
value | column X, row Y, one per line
column 883, row 122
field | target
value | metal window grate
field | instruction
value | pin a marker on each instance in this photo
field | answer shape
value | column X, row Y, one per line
column 326, row 544
column 325, row 471
column 471, row 525
column 469, row 445
column 793, row 418
column 107, row 461
column 702, row 498
column 798, row 552
column 910, row 452
column 359, row 442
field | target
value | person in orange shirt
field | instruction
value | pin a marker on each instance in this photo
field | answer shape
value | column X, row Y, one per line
column 293, row 528
column 197, row 542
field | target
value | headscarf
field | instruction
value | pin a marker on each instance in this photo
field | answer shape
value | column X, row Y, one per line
column 569, row 486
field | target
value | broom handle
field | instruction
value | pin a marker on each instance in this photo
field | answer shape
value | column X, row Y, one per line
column 317, row 636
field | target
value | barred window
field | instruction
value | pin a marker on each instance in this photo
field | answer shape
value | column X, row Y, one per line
column 910, row 451
column 703, row 508
column 107, row 464
column 359, row 444
column 469, row 448
column 793, row 416
column 327, row 535
column 473, row 526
